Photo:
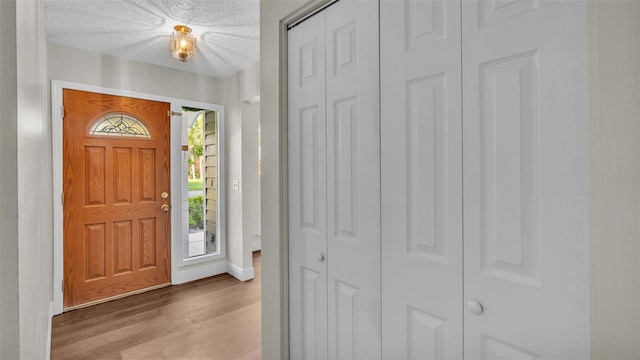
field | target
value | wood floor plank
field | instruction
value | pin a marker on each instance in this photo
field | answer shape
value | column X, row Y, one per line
column 214, row 318
column 225, row 337
column 155, row 356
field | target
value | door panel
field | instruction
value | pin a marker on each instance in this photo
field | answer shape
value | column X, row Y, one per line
column 334, row 204
column 526, row 179
column 123, row 182
column 123, row 239
column 353, row 180
column 307, row 190
column 421, row 120
column 116, row 237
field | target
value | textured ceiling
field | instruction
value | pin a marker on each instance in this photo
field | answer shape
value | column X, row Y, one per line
column 227, row 31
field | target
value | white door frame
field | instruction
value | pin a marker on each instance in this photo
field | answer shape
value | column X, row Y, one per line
column 180, row 271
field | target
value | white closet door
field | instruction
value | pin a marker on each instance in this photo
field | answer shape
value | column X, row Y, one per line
column 307, row 190
column 421, row 179
column 353, row 179
column 526, row 187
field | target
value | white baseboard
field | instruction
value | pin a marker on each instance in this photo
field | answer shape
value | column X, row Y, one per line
column 199, row 272
column 49, row 325
column 256, row 245
column 240, row 273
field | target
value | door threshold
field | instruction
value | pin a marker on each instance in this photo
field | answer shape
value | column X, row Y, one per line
column 96, row 302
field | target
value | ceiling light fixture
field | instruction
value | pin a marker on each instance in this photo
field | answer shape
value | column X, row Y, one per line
column 183, row 43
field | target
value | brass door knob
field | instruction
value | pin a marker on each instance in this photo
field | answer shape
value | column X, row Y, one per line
column 165, row 208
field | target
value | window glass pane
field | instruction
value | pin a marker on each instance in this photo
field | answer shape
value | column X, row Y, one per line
column 201, row 170
column 195, row 178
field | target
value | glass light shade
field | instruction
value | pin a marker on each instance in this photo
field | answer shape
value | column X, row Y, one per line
column 183, row 43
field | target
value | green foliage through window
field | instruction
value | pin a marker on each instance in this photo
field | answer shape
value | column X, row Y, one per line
column 195, row 137
column 196, row 212
column 195, row 140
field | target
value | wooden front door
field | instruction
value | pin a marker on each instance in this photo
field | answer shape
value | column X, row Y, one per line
column 116, row 186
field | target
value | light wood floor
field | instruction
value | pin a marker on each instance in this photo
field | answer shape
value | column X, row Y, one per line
column 214, row 318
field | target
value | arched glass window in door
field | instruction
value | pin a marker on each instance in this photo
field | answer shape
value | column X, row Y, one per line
column 121, row 125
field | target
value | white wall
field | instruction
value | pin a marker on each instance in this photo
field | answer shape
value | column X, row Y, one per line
column 250, row 199
column 614, row 81
column 35, row 219
column 239, row 87
column 234, row 172
column 274, row 336
column 85, row 67
column 9, row 326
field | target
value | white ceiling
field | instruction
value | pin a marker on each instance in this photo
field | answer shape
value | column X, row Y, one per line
column 227, row 31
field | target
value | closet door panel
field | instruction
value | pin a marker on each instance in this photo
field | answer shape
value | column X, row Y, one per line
column 307, row 190
column 353, row 180
column 421, row 179
column 526, row 179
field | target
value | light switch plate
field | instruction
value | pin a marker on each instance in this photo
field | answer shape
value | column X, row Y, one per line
column 236, row 185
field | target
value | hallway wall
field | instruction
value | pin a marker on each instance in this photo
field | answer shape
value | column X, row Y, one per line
column 614, row 85
column 25, row 186
column 85, row 67
column 250, row 195
column 274, row 295
column 35, row 218
column 9, row 326
column 239, row 87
